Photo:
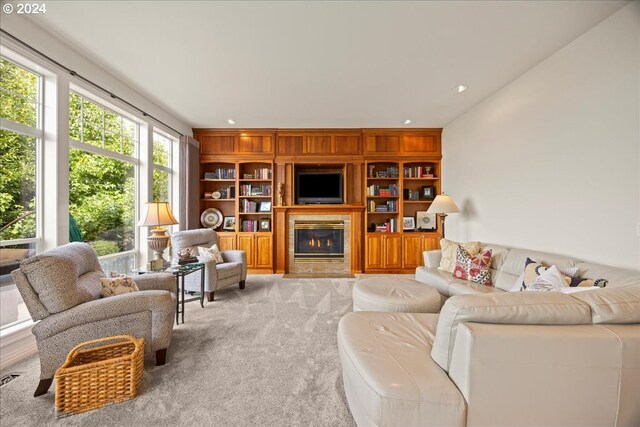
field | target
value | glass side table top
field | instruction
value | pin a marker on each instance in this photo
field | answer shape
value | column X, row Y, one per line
column 184, row 268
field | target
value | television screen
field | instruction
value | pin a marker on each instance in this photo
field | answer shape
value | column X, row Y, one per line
column 319, row 187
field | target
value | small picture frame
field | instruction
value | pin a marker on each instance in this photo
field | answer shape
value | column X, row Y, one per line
column 264, row 224
column 229, row 223
column 265, row 207
column 408, row 223
column 427, row 192
column 426, row 221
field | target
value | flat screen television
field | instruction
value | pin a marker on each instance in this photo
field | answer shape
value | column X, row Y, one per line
column 318, row 188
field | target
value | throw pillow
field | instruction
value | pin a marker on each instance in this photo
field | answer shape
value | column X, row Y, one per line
column 550, row 279
column 449, row 253
column 474, row 268
column 540, row 268
column 117, row 284
column 211, row 253
column 533, row 269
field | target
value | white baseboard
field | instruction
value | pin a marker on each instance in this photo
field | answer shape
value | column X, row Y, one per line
column 16, row 345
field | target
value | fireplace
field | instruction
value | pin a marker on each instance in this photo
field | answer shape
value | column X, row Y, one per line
column 318, row 241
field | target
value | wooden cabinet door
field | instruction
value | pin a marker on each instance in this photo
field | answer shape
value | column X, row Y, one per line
column 245, row 243
column 412, row 250
column 421, row 144
column 374, row 250
column 255, row 143
column 227, row 241
column 393, row 251
column 430, row 243
column 264, row 251
column 376, row 144
column 216, row 144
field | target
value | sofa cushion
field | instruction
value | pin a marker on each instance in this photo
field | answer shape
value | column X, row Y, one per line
column 404, row 295
column 464, row 287
column 449, row 251
column 389, row 378
column 437, row 279
column 521, row 308
column 613, row 305
column 474, row 268
column 616, row 277
column 516, row 259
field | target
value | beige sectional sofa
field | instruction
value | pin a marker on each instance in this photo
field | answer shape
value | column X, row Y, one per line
column 498, row 358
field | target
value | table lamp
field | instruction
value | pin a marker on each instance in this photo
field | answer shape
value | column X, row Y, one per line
column 157, row 215
column 441, row 206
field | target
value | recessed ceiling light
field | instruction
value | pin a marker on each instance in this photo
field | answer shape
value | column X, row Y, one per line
column 407, row 122
column 461, row 88
column 231, row 121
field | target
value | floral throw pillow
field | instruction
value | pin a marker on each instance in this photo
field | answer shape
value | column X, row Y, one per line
column 474, row 268
column 211, row 253
column 117, row 284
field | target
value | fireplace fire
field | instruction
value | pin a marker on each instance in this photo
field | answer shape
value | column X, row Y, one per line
column 318, row 241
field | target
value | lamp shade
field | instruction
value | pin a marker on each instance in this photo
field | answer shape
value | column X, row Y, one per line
column 158, row 213
column 443, row 204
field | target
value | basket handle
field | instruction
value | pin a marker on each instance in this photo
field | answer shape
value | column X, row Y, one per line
column 77, row 348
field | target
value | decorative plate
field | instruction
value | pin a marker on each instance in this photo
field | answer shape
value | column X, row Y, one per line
column 211, row 218
column 216, row 195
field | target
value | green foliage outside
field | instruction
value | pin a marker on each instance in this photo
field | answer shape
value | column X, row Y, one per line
column 101, row 189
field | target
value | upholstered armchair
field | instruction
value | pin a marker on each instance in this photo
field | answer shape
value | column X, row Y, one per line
column 217, row 276
column 61, row 288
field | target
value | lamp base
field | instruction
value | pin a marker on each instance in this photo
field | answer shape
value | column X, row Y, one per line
column 158, row 242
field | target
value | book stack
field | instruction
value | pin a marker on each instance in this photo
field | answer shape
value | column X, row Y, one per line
column 221, row 173
column 391, row 191
column 418, row 172
column 227, row 192
column 391, row 226
column 388, row 206
column 248, row 206
column 264, row 173
column 389, row 172
column 255, row 190
column 249, row 225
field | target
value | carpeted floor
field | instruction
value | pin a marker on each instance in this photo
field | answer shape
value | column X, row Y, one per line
column 264, row 356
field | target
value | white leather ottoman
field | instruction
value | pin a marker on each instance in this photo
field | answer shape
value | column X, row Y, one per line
column 399, row 294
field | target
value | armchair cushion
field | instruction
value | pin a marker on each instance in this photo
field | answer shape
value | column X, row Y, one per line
column 55, row 280
column 228, row 269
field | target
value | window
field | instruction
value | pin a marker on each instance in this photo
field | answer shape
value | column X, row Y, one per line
column 162, row 167
column 20, row 139
column 102, row 181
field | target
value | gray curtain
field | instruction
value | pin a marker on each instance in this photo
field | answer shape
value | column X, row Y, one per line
column 189, row 183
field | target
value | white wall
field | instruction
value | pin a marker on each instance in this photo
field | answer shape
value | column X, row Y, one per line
column 552, row 160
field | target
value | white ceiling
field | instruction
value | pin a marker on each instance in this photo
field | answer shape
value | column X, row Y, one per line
column 319, row 64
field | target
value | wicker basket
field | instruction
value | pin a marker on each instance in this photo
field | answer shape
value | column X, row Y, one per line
column 109, row 371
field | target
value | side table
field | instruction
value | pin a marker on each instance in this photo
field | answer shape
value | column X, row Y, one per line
column 180, row 271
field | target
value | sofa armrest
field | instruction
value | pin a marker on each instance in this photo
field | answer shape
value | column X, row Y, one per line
column 160, row 303
column 432, row 258
column 546, row 375
column 236, row 256
column 156, row 282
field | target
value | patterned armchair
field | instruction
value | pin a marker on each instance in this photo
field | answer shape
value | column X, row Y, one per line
column 216, row 276
column 61, row 289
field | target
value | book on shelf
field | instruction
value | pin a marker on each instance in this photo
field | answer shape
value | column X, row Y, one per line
column 249, row 225
column 255, row 190
column 388, row 206
column 392, row 190
column 389, row 172
column 263, row 173
column 220, row 173
column 248, row 206
column 391, row 226
column 418, row 172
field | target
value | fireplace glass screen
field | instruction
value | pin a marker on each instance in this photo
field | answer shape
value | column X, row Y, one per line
column 318, row 241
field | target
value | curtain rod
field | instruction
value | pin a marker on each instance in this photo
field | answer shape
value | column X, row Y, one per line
column 84, row 79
